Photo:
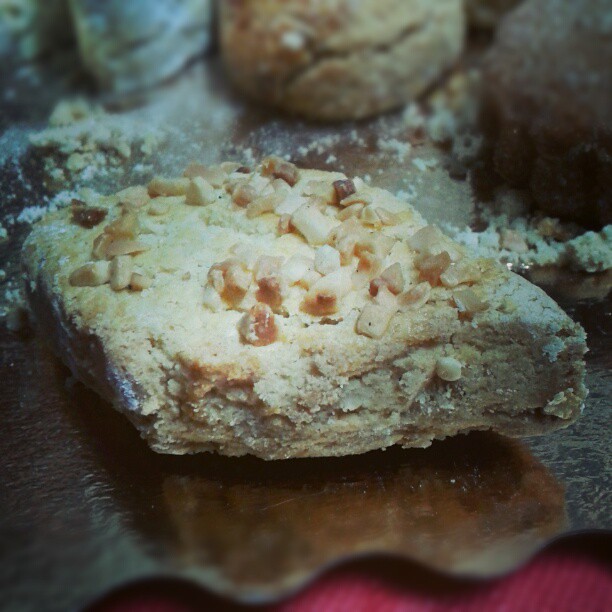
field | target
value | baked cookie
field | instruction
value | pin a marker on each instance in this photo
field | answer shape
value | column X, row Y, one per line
column 547, row 85
column 486, row 14
column 132, row 45
column 288, row 313
column 339, row 59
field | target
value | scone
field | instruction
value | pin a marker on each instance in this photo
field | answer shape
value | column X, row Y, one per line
column 548, row 82
column 289, row 313
column 126, row 46
column 339, row 59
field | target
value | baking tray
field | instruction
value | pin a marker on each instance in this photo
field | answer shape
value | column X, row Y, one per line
column 85, row 506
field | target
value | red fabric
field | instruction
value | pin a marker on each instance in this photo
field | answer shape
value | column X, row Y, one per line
column 560, row 580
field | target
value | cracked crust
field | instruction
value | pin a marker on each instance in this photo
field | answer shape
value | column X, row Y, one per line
column 340, row 59
column 187, row 380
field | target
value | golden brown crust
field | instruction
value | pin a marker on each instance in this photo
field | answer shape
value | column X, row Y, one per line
column 339, row 59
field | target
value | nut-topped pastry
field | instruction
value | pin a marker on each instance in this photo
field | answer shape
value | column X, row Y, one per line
column 284, row 312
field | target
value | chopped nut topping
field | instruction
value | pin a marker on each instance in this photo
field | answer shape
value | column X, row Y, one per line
column 374, row 320
column 92, row 274
column 432, row 266
column 296, row 267
column 231, row 278
column 324, row 295
column 391, row 278
column 168, row 186
column 264, row 204
column 140, row 282
column 370, row 216
column 99, row 246
column 415, row 297
column 343, row 188
column 468, row 302
column 386, row 217
column 243, row 194
column 354, row 210
column 214, row 175
column 429, row 240
column 361, row 197
column 312, row 224
column 267, row 266
column 513, row 241
column 126, row 226
column 284, row 224
column 124, row 246
column 460, row 273
column 369, row 264
column 448, row 368
column 321, row 189
column 87, row 216
column 212, row 300
column 200, row 192
column 243, row 170
column 136, row 196
column 280, row 168
column 120, row 272
column 258, row 326
column 309, row 279
column 270, row 292
column 327, row 259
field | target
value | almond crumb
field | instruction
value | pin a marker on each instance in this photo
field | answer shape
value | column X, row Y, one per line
column 374, row 320
column 415, row 297
column 200, row 192
column 163, row 186
column 120, row 272
column 343, row 189
column 448, row 369
column 432, row 266
column 327, row 259
column 140, row 282
column 91, row 274
column 243, row 194
column 280, row 169
column 258, row 326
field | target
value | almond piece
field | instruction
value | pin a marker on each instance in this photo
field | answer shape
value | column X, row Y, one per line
column 461, row 273
column 374, row 320
column 448, row 368
column 343, row 189
column 243, row 194
column 214, row 175
column 312, row 224
column 264, row 204
column 354, row 210
column 468, row 302
column 258, row 326
column 136, row 196
column 513, row 241
column 415, row 297
column 432, row 266
column 200, row 192
column 126, row 226
column 324, row 295
column 120, row 272
column 284, row 225
column 91, row 274
column 163, row 186
column 327, row 260
column 394, row 278
column 140, row 282
column 124, row 246
column 280, row 169
column 296, row 267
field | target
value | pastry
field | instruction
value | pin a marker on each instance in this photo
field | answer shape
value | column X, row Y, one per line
column 339, row 59
column 127, row 46
column 288, row 313
column 547, row 86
